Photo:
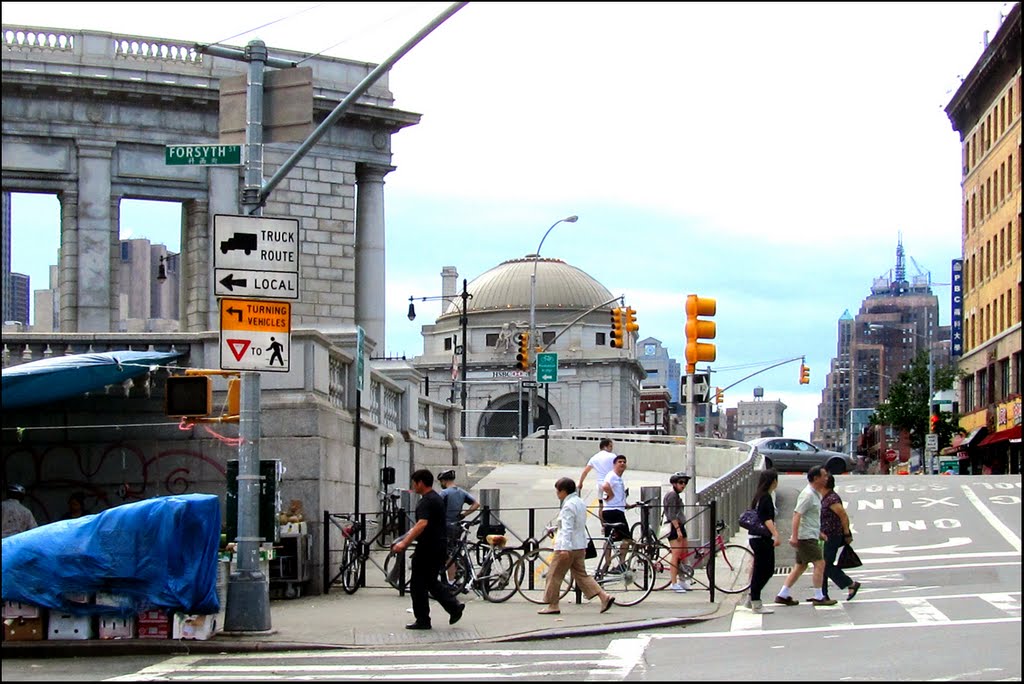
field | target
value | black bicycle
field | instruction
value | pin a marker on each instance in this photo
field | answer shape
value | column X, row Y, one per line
column 484, row 566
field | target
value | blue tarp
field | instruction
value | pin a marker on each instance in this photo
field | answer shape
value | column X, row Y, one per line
column 63, row 377
column 161, row 552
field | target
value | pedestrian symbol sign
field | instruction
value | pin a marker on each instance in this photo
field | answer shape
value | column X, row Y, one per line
column 255, row 335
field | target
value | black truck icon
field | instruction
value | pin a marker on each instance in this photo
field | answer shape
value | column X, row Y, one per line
column 243, row 241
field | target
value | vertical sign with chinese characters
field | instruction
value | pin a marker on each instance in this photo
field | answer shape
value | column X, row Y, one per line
column 956, row 326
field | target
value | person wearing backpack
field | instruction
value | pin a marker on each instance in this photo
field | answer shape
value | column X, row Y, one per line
column 763, row 547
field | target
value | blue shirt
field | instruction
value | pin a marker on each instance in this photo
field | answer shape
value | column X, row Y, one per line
column 454, row 499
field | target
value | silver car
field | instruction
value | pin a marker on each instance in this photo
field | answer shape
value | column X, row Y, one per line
column 787, row 454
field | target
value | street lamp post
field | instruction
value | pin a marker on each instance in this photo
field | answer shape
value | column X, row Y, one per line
column 533, row 319
column 464, row 342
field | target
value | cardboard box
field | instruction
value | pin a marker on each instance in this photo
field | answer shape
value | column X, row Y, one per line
column 16, row 609
column 188, row 626
column 116, row 627
column 295, row 528
column 25, row 629
column 73, row 627
column 154, row 624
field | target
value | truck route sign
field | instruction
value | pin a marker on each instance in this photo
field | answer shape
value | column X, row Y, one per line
column 255, row 256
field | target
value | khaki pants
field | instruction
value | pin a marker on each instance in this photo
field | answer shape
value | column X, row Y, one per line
column 572, row 561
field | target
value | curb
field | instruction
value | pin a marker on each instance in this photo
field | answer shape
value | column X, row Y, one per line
column 142, row 647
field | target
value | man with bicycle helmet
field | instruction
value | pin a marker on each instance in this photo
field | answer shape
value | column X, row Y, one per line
column 454, row 499
column 17, row 517
column 675, row 516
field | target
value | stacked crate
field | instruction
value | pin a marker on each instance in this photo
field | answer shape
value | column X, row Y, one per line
column 24, row 622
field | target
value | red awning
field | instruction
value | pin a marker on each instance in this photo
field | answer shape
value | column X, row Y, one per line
column 1001, row 436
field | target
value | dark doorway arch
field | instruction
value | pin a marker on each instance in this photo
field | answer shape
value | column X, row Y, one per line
column 504, row 413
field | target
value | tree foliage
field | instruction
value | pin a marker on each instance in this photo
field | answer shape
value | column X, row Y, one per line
column 907, row 405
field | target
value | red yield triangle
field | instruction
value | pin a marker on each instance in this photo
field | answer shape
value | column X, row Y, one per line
column 238, row 348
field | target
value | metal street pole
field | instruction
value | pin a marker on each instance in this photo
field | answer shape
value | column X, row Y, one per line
column 465, row 350
column 533, row 321
column 248, row 595
column 689, row 497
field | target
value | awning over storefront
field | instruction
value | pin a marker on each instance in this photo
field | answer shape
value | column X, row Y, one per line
column 973, row 438
column 1002, row 436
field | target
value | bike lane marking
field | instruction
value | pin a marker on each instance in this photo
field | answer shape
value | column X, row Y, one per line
column 989, row 516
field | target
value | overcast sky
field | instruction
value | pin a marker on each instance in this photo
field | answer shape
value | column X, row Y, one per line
column 765, row 154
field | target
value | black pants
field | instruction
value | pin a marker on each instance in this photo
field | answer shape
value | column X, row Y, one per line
column 426, row 583
column 764, row 565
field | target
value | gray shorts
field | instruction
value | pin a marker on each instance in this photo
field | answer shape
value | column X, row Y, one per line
column 807, row 551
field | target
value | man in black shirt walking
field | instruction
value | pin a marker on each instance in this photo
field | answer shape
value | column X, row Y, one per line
column 430, row 533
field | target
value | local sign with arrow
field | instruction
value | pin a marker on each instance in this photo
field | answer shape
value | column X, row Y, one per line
column 255, row 256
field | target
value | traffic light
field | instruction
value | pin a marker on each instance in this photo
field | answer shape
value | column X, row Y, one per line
column 630, row 323
column 719, row 395
column 697, row 329
column 805, row 374
column 618, row 340
column 188, row 396
column 523, row 357
column 934, row 418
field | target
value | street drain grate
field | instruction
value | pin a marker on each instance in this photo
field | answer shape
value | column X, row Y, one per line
column 784, row 570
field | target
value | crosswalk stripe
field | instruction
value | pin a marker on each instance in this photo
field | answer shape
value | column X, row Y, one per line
column 922, row 610
column 1004, row 602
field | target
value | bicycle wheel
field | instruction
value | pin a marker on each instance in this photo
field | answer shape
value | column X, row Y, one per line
column 457, row 581
column 531, row 572
column 388, row 525
column 351, row 567
column 633, row 583
column 660, row 557
column 732, row 569
column 497, row 583
column 392, row 568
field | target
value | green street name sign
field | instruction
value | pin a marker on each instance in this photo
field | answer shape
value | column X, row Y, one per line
column 201, row 155
column 547, row 367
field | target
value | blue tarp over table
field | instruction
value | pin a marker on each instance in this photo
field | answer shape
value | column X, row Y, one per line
column 161, row 552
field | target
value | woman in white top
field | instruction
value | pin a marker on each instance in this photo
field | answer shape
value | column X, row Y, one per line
column 570, row 549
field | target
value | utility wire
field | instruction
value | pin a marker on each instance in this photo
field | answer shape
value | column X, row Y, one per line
column 363, row 31
column 269, row 23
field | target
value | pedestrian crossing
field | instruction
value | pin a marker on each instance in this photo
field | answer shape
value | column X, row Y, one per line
column 881, row 612
column 612, row 663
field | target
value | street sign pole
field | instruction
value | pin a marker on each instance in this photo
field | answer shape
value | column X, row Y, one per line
column 248, row 608
column 691, row 442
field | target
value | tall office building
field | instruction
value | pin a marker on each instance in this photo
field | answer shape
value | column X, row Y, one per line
column 895, row 323
column 985, row 111
column 8, row 293
column 19, row 295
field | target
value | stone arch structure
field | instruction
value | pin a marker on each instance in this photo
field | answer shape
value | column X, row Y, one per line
column 497, row 423
column 86, row 117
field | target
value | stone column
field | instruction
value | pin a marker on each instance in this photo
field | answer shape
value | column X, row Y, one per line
column 67, row 262
column 369, row 261
column 94, row 237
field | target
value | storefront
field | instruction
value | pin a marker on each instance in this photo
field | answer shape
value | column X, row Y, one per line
column 999, row 452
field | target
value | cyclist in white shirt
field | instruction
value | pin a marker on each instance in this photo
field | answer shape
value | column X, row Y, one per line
column 614, row 489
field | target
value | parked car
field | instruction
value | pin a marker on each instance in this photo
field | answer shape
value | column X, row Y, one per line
column 785, row 453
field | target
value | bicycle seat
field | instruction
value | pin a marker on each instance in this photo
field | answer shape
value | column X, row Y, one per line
column 498, row 540
column 620, row 525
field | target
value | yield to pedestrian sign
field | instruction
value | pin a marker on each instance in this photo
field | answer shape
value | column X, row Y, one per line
column 255, row 335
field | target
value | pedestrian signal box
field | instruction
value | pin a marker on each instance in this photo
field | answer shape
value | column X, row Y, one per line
column 188, row 396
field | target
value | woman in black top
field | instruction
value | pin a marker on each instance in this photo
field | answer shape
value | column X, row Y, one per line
column 763, row 547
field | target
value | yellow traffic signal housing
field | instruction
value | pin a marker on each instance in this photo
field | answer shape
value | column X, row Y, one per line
column 234, row 396
column 805, row 374
column 188, row 396
column 630, row 323
column 719, row 395
column 523, row 357
column 697, row 329
column 618, row 340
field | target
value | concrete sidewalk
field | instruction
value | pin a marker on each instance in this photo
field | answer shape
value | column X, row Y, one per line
column 373, row 617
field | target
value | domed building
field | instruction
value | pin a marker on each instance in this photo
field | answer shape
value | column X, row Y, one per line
column 598, row 385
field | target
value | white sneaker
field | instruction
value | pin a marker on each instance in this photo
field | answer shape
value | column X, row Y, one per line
column 678, row 588
column 762, row 610
column 685, row 584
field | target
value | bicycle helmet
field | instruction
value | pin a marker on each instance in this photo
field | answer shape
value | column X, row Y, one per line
column 447, row 476
column 680, row 476
column 15, row 491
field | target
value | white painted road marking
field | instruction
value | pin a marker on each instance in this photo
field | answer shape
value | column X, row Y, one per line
column 922, row 611
column 995, row 522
